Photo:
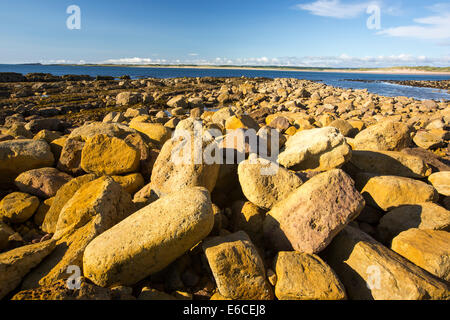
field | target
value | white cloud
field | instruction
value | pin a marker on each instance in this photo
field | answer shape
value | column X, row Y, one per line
column 335, row 8
column 134, row 60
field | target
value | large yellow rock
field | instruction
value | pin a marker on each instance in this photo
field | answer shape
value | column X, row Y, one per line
column 61, row 198
column 109, row 155
column 369, row 270
column 237, row 267
column 390, row 163
column 131, row 183
column 303, row 276
column 241, row 122
column 155, row 132
column 17, row 156
column 388, row 192
column 18, row 207
column 150, row 239
column 425, row 216
column 441, row 181
column 428, row 249
column 384, row 136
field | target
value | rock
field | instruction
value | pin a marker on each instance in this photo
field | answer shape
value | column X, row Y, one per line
column 312, row 215
column 170, row 174
column 281, row 123
column 177, row 102
column 237, row 267
column 51, row 124
column 17, row 156
column 42, row 211
column 19, row 130
column 423, row 216
column 47, row 135
column 303, row 276
column 265, row 183
column 388, row 192
column 128, row 98
column 130, row 183
column 428, row 249
column 441, row 182
column 384, row 136
column 18, row 207
column 316, row 150
column 64, row 194
column 96, row 207
column 241, row 122
column 369, row 271
column 153, row 294
column 5, row 233
column 70, row 158
column 145, row 196
column 429, row 139
column 344, row 127
column 155, row 132
column 43, row 182
column 109, row 155
column 114, row 117
column 110, row 129
column 221, row 116
column 390, row 163
column 131, row 251
column 16, row 263
column 249, row 218
column 135, row 112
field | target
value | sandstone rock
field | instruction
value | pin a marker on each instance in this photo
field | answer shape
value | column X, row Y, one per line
column 47, row 135
column 131, row 251
column 95, row 208
column 237, row 267
column 249, row 218
column 369, row 270
column 18, row 207
column 221, row 116
column 43, row 182
column 302, row 276
column 109, row 155
column 128, row 98
column 153, row 294
column 265, row 183
column 428, row 249
column 384, row 136
column 316, row 149
column 441, row 182
column 17, row 156
column 70, row 156
column 110, row 129
column 64, row 194
column 155, row 132
column 15, row 264
column 429, row 140
column 130, row 183
column 5, row 233
column 42, row 211
column 425, row 216
column 177, row 102
column 170, row 175
column 344, row 127
column 145, row 196
column 390, row 163
column 388, row 192
column 428, row 157
column 309, row 218
column 241, row 122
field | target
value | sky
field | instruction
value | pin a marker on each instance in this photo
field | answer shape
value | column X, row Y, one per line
column 310, row 33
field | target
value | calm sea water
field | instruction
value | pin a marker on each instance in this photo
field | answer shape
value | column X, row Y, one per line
column 329, row 78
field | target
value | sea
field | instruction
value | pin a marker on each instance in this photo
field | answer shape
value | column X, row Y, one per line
column 374, row 83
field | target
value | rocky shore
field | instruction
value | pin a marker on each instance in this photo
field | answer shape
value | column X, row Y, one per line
column 350, row 202
column 437, row 84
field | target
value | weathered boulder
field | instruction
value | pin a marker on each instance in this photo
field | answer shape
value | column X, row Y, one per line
column 109, row 155
column 425, row 216
column 128, row 98
column 16, row 263
column 388, row 192
column 110, row 129
column 177, row 102
column 249, row 218
column 70, row 157
column 130, row 183
column 369, row 270
column 131, row 251
column 428, row 249
column 265, row 183
column 241, row 122
column 441, row 182
column 221, row 116
column 17, row 156
column 18, row 207
column 430, row 139
column 43, row 182
column 5, row 232
column 390, row 163
column 384, row 136
column 303, row 276
column 155, row 132
column 309, row 218
column 237, row 267
column 316, row 149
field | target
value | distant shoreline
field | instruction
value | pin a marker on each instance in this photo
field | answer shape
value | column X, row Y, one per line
column 393, row 70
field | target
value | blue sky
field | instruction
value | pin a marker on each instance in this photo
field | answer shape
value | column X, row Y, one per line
column 331, row 33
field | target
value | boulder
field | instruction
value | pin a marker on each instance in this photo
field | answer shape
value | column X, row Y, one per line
column 316, row 150
column 237, row 267
column 177, row 102
column 265, row 183
column 303, row 276
column 428, row 249
column 17, row 156
column 370, row 271
column 384, row 136
column 128, row 98
column 312, row 215
column 5, row 233
column 131, row 251
column 425, row 216
column 109, row 155
column 155, row 132
column 110, row 129
column 130, row 183
column 249, row 218
column 70, row 156
column 43, row 182
column 430, row 139
column 18, row 207
column 441, row 182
